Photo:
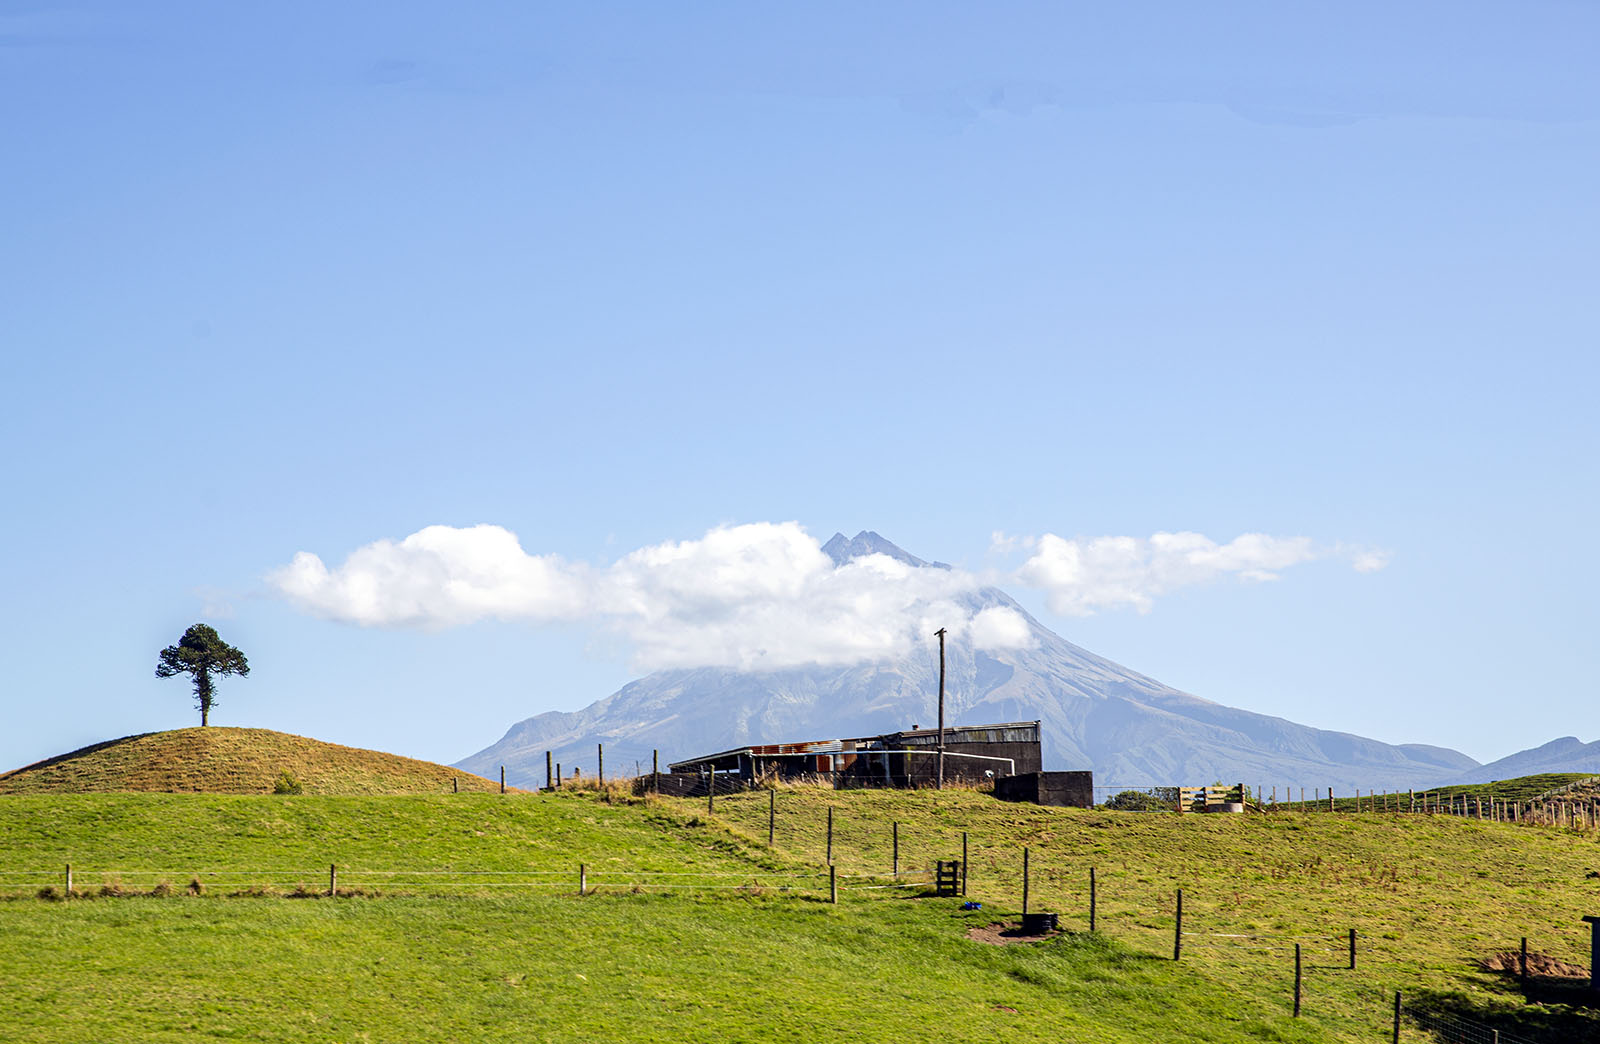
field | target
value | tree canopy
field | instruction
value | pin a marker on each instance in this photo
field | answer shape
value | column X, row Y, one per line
column 201, row 654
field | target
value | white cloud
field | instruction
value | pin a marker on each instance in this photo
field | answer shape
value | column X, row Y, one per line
column 1080, row 576
column 1000, row 627
column 1369, row 561
column 763, row 595
column 760, row 596
column 440, row 576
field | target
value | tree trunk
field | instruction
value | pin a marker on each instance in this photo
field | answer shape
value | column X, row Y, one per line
column 202, row 692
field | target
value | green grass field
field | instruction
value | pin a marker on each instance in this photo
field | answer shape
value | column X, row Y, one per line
column 467, row 924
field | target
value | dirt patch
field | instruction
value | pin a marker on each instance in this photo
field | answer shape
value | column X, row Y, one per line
column 1002, row 933
column 1540, row 964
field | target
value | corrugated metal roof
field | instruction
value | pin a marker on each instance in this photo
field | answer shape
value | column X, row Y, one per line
column 1004, row 732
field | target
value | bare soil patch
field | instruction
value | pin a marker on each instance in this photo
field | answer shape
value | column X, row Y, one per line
column 1540, row 964
column 1004, row 933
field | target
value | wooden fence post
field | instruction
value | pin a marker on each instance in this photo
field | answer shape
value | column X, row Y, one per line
column 549, row 776
column 1177, row 930
column 1330, row 799
column 1092, row 898
column 772, row 814
column 558, row 775
column 333, row 879
column 600, row 763
column 711, row 791
column 897, row 848
column 69, row 881
column 583, row 879
column 833, row 883
column 1352, row 949
column 1522, row 967
column 830, row 835
column 1025, row 882
column 963, row 864
column 1297, row 980
column 655, row 771
column 455, row 785
column 502, row 779
column 1396, row 1037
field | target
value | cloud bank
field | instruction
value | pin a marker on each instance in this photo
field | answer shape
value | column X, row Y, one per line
column 1080, row 577
column 761, row 596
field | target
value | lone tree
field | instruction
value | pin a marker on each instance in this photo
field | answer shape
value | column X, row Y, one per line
column 202, row 654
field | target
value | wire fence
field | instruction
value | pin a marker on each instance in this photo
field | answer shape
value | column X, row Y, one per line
column 1454, row 1029
column 1573, row 806
column 87, row 882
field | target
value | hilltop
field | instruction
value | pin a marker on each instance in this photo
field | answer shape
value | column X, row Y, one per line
column 220, row 760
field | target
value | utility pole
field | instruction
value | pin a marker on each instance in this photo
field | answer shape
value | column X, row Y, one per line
column 940, row 633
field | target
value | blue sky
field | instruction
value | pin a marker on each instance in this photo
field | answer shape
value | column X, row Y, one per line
column 295, row 279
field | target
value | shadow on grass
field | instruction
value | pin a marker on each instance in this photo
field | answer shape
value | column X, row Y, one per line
column 1559, row 1011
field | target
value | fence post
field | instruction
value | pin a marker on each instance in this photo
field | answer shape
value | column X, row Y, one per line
column 502, row 779
column 1177, row 930
column 655, row 771
column 711, row 791
column 830, row 835
column 1092, row 898
column 772, row 814
column 1297, row 980
column 583, row 879
column 833, row 883
column 1025, row 882
column 1396, row 1017
column 897, row 848
column 1522, row 967
column 600, row 763
column 1330, row 799
column 963, row 864
column 69, row 881
column 455, row 785
column 549, row 776
column 333, row 879
column 558, row 775
column 1352, row 949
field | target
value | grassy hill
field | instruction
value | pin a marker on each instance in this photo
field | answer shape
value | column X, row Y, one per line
column 233, row 761
column 459, row 919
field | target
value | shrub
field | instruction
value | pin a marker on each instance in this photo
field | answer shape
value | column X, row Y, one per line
column 1143, row 801
column 286, row 784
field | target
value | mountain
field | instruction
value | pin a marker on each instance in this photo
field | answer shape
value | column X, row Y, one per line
column 1567, row 754
column 221, row 760
column 1130, row 729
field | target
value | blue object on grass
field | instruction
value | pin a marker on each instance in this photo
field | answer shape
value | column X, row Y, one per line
column 969, row 905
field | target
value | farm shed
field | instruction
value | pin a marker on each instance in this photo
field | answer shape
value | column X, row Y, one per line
column 908, row 758
column 1061, row 789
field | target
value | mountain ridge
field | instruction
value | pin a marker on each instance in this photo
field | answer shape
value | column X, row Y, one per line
column 1563, row 754
column 1129, row 728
